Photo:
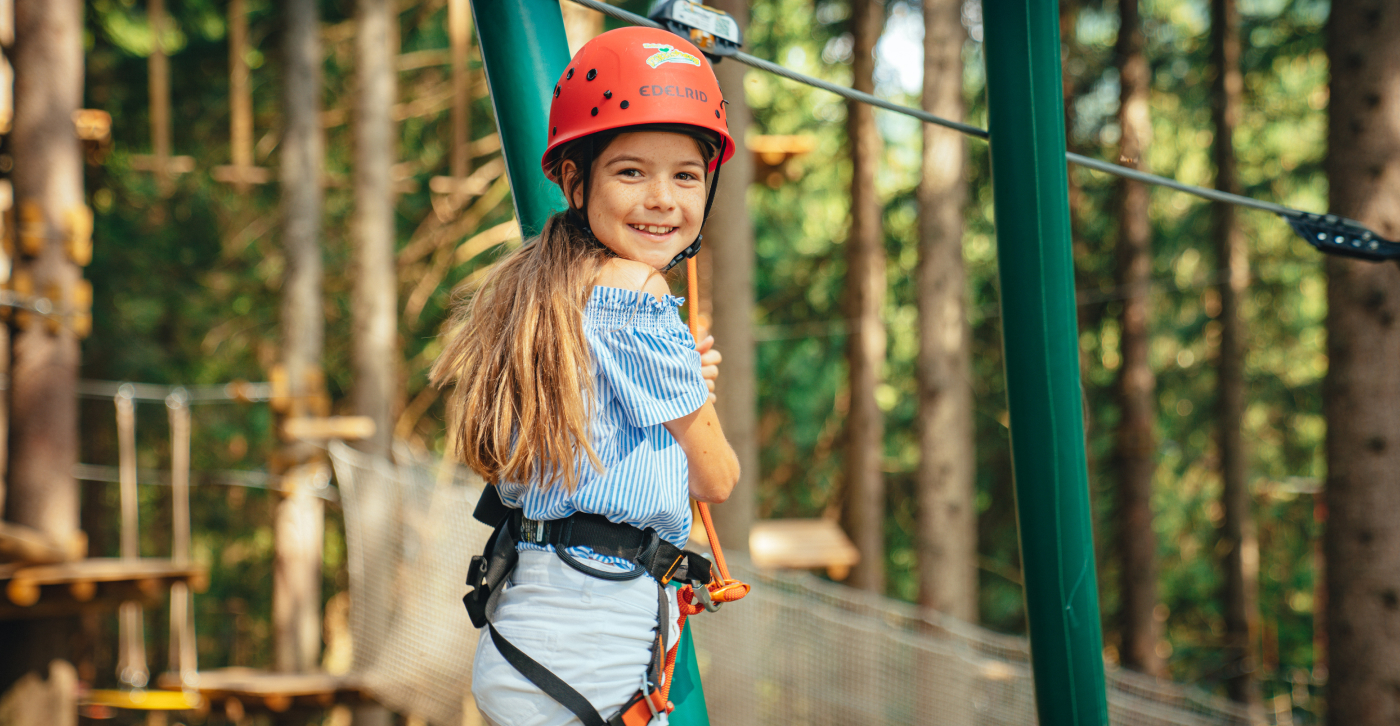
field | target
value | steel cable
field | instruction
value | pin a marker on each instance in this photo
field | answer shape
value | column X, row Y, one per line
column 1328, row 233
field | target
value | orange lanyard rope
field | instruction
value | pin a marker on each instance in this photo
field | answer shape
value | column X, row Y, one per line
column 724, row 588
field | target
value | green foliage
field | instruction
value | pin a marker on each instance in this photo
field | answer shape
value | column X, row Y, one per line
column 187, row 291
column 187, row 287
column 801, row 228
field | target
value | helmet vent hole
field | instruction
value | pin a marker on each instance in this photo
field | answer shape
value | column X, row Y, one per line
column 556, row 130
column 607, row 94
column 716, row 114
column 624, row 105
column 592, row 73
column 595, row 111
column 556, row 91
column 570, row 75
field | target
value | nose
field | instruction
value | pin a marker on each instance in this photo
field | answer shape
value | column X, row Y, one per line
column 661, row 195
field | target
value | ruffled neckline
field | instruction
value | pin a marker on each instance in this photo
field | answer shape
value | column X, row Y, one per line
column 615, row 307
column 622, row 296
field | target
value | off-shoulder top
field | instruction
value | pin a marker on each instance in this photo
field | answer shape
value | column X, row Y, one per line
column 646, row 372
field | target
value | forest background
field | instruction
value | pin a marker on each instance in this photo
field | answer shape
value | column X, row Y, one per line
column 187, row 288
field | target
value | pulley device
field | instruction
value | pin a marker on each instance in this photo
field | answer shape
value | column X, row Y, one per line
column 713, row 31
column 1340, row 236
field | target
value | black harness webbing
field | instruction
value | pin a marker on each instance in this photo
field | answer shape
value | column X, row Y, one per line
column 651, row 555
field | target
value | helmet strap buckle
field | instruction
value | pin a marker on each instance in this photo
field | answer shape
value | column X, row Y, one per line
column 685, row 254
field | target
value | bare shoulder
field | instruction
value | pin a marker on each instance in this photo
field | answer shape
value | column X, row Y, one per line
column 632, row 275
column 657, row 285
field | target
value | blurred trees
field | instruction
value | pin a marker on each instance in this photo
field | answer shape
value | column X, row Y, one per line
column 298, row 516
column 1238, row 536
column 863, row 499
column 946, row 533
column 187, row 289
column 375, row 295
column 1135, row 452
column 49, row 249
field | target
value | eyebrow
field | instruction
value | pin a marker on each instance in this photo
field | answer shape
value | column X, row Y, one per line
column 639, row 160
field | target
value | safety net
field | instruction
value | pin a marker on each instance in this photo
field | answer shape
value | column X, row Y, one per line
column 797, row 650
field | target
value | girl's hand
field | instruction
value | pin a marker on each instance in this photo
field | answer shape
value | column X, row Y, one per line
column 709, row 362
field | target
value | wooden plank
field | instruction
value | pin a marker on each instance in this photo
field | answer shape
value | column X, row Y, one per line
column 102, row 582
column 246, row 688
column 801, row 544
column 329, row 427
column 107, row 569
column 25, row 544
column 59, row 601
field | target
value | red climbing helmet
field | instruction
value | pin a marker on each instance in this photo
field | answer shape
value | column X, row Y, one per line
column 634, row 76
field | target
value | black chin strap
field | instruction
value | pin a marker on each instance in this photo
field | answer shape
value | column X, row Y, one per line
column 694, row 247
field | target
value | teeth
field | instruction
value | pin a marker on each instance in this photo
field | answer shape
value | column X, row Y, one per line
column 653, row 228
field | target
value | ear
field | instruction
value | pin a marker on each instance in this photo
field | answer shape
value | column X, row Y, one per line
column 568, row 181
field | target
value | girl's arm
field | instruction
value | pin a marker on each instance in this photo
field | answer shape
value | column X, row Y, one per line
column 714, row 469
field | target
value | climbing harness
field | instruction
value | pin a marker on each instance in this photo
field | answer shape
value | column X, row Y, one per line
column 1328, row 233
column 649, row 554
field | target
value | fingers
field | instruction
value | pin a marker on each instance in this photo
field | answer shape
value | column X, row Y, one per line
column 710, row 357
column 706, row 343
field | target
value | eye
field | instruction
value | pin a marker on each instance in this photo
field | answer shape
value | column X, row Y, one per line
column 630, row 172
column 687, row 176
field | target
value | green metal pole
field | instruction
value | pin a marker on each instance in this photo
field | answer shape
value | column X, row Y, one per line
column 524, row 49
column 1040, row 338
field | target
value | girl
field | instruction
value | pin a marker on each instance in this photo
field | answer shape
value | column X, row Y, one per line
column 585, row 400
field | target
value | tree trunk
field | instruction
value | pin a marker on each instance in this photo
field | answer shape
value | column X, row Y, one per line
column 1241, row 543
column 864, row 511
column 729, row 238
column 296, row 588
column 48, row 188
column 1136, row 441
column 947, row 528
column 375, row 292
column 1362, row 389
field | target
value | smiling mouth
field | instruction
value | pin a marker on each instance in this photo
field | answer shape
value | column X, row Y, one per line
column 653, row 229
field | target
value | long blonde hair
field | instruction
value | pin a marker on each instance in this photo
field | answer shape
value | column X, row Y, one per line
column 518, row 355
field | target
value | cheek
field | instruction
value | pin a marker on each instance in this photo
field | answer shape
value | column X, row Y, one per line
column 695, row 206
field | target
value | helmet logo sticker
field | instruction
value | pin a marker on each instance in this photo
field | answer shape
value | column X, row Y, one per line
column 668, row 54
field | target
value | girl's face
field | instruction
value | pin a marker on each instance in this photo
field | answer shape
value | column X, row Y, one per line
column 647, row 201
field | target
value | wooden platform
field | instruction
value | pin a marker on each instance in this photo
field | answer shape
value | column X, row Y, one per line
column 802, row 544
column 70, row 588
column 240, row 689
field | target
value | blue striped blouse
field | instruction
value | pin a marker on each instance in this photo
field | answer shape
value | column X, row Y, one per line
column 646, row 372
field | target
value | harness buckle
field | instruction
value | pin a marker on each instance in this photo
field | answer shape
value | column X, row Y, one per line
column 647, row 689
column 702, row 594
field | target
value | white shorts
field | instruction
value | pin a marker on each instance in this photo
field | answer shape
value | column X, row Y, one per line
column 594, row 634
